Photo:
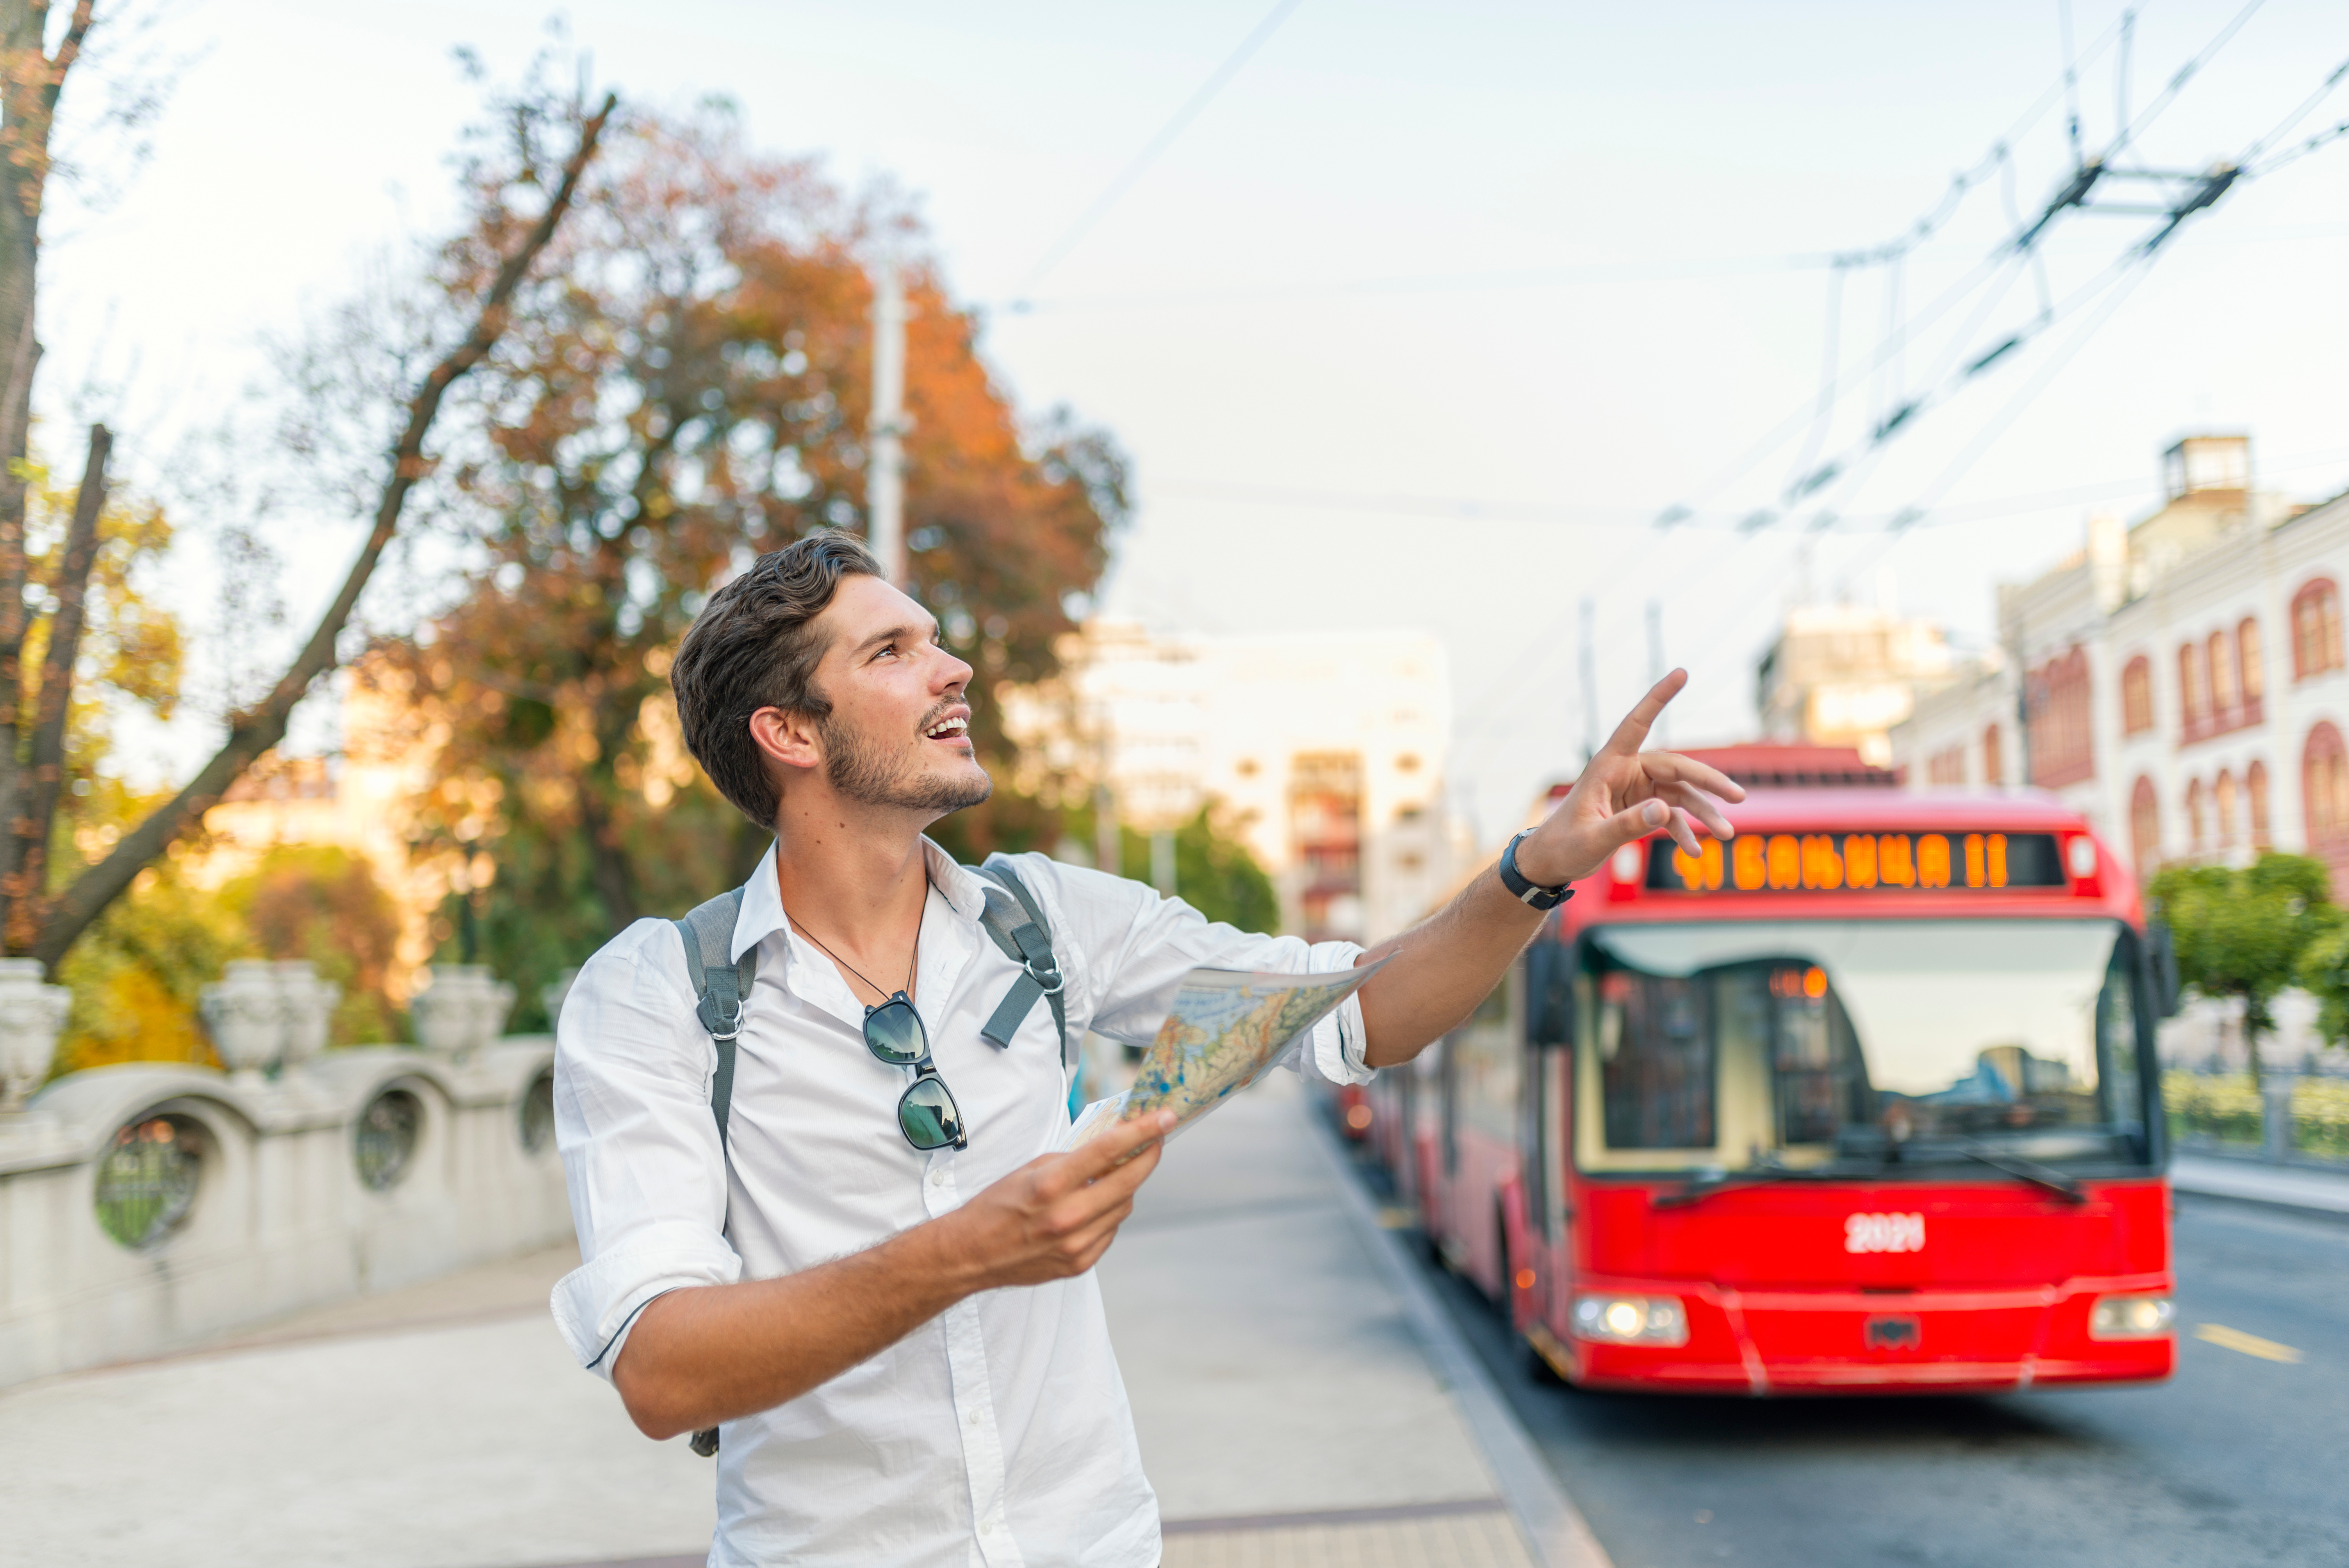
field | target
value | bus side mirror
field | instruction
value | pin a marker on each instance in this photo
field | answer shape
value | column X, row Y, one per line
column 2161, row 952
column 1549, row 994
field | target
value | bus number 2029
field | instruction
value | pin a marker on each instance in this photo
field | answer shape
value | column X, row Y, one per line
column 1884, row 1234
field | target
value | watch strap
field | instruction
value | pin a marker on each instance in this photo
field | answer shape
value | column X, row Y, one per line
column 1530, row 894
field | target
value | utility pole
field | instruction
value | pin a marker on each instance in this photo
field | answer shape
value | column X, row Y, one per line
column 885, row 492
column 1656, row 666
column 1589, row 681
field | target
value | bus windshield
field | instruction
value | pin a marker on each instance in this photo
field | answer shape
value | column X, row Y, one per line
column 1810, row 1043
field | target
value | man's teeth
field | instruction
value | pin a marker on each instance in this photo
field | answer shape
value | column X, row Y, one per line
column 951, row 727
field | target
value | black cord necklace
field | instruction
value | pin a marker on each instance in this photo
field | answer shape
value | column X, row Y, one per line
column 912, row 959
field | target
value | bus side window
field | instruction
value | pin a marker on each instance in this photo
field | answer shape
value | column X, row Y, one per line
column 1656, row 1083
column 2116, row 1047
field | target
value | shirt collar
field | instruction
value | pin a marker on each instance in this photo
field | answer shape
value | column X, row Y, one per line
column 762, row 914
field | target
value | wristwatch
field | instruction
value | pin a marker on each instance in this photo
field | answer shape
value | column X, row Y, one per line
column 1523, row 892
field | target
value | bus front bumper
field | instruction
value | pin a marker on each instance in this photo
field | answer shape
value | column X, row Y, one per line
column 1851, row 1342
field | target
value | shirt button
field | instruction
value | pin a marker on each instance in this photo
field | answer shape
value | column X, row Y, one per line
column 937, row 1178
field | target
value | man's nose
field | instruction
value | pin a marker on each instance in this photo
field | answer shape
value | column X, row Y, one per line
column 951, row 671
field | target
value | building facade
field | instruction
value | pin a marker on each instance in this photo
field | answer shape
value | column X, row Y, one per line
column 2181, row 682
column 1844, row 675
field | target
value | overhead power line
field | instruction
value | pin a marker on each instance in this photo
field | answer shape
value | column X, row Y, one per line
column 2177, row 198
column 1216, row 82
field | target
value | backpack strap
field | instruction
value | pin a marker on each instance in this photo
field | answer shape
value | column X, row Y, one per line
column 721, row 991
column 1027, row 942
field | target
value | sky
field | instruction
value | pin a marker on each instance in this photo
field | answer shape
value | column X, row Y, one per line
column 1419, row 321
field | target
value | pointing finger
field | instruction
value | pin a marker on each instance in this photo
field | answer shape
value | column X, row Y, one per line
column 1632, row 733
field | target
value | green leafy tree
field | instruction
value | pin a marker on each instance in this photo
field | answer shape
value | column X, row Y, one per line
column 2245, row 934
column 2324, row 974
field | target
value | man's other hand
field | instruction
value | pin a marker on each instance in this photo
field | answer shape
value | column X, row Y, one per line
column 1055, row 1216
column 1626, row 794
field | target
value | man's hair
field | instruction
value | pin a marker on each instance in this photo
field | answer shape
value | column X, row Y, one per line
column 754, row 646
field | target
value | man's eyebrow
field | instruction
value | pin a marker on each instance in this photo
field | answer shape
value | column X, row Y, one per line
column 892, row 635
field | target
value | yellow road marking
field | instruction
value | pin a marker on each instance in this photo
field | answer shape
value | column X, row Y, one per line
column 2248, row 1344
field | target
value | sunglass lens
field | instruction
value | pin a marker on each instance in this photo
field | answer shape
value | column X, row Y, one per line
column 927, row 1114
column 893, row 1032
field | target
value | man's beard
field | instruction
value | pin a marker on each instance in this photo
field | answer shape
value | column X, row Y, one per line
column 871, row 775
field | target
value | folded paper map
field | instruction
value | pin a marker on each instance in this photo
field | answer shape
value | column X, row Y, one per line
column 1225, row 1030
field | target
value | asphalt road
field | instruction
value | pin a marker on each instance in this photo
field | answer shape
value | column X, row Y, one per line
column 2241, row 1459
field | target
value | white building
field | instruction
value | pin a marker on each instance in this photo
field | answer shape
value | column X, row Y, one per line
column 2185, row 681
column 1844, row 675
column 1325, row 750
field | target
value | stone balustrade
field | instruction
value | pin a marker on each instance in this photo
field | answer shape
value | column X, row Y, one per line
column 150, row 1206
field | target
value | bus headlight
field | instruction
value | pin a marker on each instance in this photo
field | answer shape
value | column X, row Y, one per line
column 1630, row 1319
column 2131, row 1317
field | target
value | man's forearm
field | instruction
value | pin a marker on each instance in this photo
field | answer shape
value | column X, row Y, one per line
column 1441, row 968
column 712, row 1353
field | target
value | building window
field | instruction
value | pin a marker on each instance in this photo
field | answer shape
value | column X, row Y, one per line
column 2251, row 667
column 1945, row 767
column 2324, row 784
column 2062, row 748
column 2315, row 629
column 2255, row 793
column 2222, row 798
column 2189, row 693
column 2194, row 817
column 2224, row 697
column 2137, row 697
column 2145, row 826
column 1994, row 758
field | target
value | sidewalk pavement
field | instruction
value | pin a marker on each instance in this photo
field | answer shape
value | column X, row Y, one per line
column 1297, row 1402
column 2252, row 1180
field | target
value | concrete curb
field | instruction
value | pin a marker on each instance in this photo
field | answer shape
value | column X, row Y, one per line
column 1554, row 1529
column 2302, row 1189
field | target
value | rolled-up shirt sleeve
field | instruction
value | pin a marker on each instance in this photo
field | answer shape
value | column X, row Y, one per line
column 640, row 1149
column 1133, row 946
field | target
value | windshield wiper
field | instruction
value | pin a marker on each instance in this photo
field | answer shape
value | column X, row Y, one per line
column 1704, row 1186
column 2022, row 1170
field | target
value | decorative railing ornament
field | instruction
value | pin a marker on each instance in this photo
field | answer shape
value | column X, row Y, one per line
column 32, row 1015
column 245, row 1014
column 309, row 1002
column 462, row 1009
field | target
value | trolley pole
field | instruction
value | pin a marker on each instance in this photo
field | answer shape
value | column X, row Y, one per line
column 885, row 493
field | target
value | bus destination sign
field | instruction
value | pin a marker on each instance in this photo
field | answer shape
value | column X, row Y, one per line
column 1833, row 862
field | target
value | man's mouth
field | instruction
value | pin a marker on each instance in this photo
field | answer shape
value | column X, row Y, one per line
column 953, row 728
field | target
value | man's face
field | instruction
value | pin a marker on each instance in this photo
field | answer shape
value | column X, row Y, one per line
column 897, row 733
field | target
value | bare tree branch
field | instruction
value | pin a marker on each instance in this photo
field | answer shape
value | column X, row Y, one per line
column 258, row 729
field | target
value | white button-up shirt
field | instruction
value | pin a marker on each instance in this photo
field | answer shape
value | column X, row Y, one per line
column 997, row 1434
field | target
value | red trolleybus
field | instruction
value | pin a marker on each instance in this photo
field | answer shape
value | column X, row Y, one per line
column 1864, row 1098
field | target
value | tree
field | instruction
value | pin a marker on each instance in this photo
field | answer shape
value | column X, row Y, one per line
column 694, row 393
column 323, row 904
column 2243, row 935
column 519, row 199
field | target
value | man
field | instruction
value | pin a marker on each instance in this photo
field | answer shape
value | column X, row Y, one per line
column 904, row 1345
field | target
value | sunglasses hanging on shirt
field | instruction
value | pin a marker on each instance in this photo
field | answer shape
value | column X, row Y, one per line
column 926, row 1113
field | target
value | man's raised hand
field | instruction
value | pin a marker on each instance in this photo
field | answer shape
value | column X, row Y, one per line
column 1055, row 1216
column 1626, row 794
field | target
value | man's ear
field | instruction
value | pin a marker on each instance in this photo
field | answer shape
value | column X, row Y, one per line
column 787, row 738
